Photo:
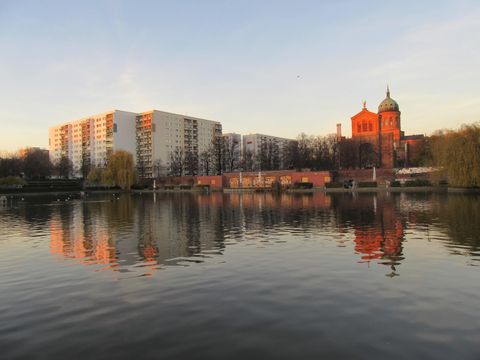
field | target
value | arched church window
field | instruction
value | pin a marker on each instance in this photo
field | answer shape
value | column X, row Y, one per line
column 364, row 127
column 370, row 127
column 359, row 128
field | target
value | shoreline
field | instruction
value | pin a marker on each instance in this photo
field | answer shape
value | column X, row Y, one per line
column 419, row 189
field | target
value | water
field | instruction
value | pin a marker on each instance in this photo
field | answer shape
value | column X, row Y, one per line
column 241, row 276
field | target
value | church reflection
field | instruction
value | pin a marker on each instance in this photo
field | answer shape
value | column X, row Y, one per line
column 378, row 228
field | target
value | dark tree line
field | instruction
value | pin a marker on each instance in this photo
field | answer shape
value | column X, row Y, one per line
column 457, row 153
column 35, row 164
column 220, row 157
column 313, row 152
column 223, row 156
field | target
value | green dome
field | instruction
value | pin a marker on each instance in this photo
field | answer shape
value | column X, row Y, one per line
column 388, row 104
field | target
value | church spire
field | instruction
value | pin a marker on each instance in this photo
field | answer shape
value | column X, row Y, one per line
column 388, row 91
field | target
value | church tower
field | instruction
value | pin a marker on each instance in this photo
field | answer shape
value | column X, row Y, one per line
column 389, row 118
column 390, row 131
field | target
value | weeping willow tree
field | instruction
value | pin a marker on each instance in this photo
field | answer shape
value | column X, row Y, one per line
column 458, row 153
column 120, row 169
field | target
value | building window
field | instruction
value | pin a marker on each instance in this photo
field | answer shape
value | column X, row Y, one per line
column 359, row 128
column 370, row 127
column 115, row 127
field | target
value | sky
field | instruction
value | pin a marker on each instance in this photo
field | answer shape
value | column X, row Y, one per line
column 267, row 66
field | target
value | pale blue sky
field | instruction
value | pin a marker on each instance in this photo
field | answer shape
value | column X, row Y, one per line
column 275, row 67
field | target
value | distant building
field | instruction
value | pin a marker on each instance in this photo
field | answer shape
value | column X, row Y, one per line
column 256, row 145
column 377, row 138
column 149, row 136
column 22, row 153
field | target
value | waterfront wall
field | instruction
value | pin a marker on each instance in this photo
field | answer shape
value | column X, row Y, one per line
column 251, row 180
column 265, row 179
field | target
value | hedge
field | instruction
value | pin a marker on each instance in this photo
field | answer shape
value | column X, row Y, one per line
column 417, row 182
column 367, row 184
column 303, row 185
column 333, row 185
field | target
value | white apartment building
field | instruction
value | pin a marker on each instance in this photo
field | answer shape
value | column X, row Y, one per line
column 89, row 141
column 159, row 133
column 149, row 136
column 252, row 146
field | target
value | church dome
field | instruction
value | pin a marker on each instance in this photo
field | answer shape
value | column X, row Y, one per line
column 388, row 104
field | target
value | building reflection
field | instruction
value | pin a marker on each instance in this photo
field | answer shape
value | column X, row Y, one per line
column 172, row 228
column 378, row 228
column 85, row 239
column 175, row 229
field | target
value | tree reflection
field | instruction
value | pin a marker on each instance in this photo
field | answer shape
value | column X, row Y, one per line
column 461, row 215
column 176, row 228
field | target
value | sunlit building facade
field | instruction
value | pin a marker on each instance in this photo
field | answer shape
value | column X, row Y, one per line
column 89, row 141
column 378, row 140
column 149, row 136
column 159, row 134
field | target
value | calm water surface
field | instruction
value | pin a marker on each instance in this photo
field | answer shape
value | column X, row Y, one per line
column 230, row 276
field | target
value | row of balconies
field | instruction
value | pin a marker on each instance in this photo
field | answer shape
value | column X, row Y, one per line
column 143, row 151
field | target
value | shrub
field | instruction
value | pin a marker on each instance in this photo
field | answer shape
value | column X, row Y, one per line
column 169, row 187
column 202, row 186
column 12, row 181
column 367, row 184
column 140, row 187
column 185, row 187
column 333, row 185
column 395, row 183
column 303, row 185
column 418, row 182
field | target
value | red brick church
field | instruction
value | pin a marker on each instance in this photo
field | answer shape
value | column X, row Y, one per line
column 377, row 139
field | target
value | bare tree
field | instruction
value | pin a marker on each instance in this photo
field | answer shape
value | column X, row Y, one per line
column 176, row 163
column 158, row 167
column 218, row 154
column 85, row 165
column 248, row 161
column 10, row 165
column 205, row 162
column 268, row 156
column 141, row 168
column 191, row 163
column 63, row 167
column 348, row 153
column 36, row 164
column 289, row 155
column 231, row 154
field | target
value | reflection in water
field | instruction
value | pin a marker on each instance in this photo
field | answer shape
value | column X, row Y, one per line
column 287, row 276
column 378, row 227
column 182, row 228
